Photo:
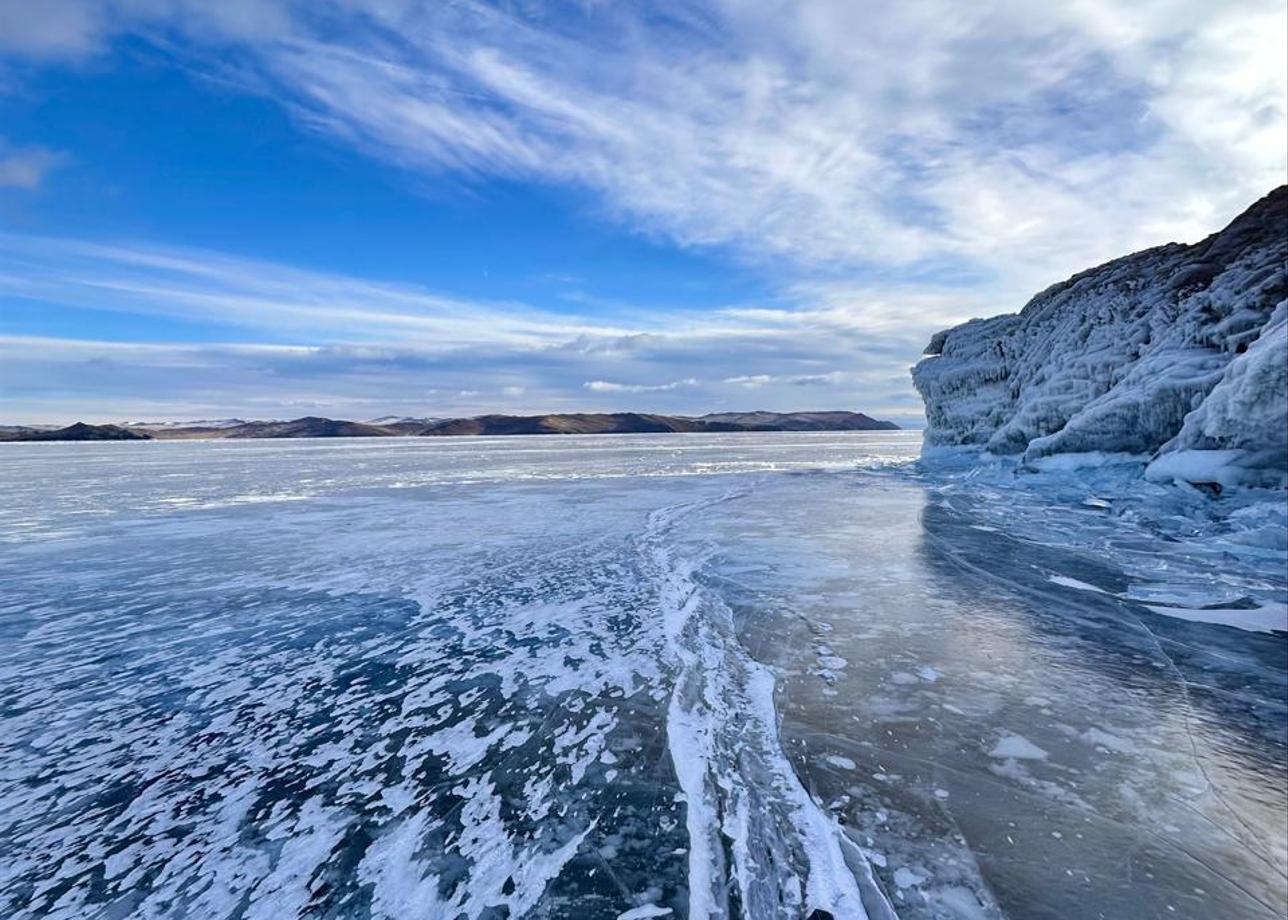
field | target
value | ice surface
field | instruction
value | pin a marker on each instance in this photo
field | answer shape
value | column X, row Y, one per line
column 1072, row 583
column 1243, row 422
column 1017, row 747
column 716, row 676
column 1138, row 714
column 1270, row 618
column 1178, row 348
column 643, row 912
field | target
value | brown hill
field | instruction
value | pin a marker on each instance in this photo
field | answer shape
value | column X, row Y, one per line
column 80, row 431
column 557, row 423
column 311, row 426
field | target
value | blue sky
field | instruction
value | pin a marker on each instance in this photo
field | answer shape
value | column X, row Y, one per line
column 266, row 208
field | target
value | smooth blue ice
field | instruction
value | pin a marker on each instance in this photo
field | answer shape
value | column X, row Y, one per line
column 733, row 675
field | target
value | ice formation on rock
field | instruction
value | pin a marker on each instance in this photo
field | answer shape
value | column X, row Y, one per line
column 1177, row 353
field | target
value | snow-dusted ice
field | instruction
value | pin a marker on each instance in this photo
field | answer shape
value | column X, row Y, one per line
column 697, row 676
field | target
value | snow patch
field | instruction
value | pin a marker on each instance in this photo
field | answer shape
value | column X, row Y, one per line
column 644, row 911
column 1266, row 618
column 906, row 878
column 1017, row 747
column 1068, row 582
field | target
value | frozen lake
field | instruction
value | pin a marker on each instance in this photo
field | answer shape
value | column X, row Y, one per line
column 745, row 675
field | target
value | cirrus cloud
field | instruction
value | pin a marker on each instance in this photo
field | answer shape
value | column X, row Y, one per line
column 891, row 167
column 1013, row 139
column 294, row 340
column 26, row 167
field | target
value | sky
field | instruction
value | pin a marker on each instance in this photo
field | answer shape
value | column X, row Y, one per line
column 268, row 209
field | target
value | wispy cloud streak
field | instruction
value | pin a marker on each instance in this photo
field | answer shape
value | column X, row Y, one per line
column 295, row 341
column 892, row 167
column 1025, row 141
column 1008, row 137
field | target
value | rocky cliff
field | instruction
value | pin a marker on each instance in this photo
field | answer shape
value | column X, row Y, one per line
column 1178, row 354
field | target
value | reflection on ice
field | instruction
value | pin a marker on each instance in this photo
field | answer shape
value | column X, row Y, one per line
column 716, row 676
column 1074, row 755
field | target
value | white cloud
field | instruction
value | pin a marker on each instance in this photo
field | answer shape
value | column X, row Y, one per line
column 364, row 348
column 57, row 28
column 756, row 381
column 750, row 381
column 26, row 167
column 1025, row 141
column 74, row 29
column 265, row 297
column 608, row 386
column 895, row 167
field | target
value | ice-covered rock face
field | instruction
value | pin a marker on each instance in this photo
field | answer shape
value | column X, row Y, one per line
column 1178, row 352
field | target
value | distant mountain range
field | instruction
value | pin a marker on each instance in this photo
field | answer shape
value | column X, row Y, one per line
column 390, row 426
column 77, row 432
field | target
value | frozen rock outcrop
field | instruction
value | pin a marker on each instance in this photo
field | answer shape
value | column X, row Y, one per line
column 1178, row 353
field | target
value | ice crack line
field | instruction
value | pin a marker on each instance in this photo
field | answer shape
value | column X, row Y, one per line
column 759, row 846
